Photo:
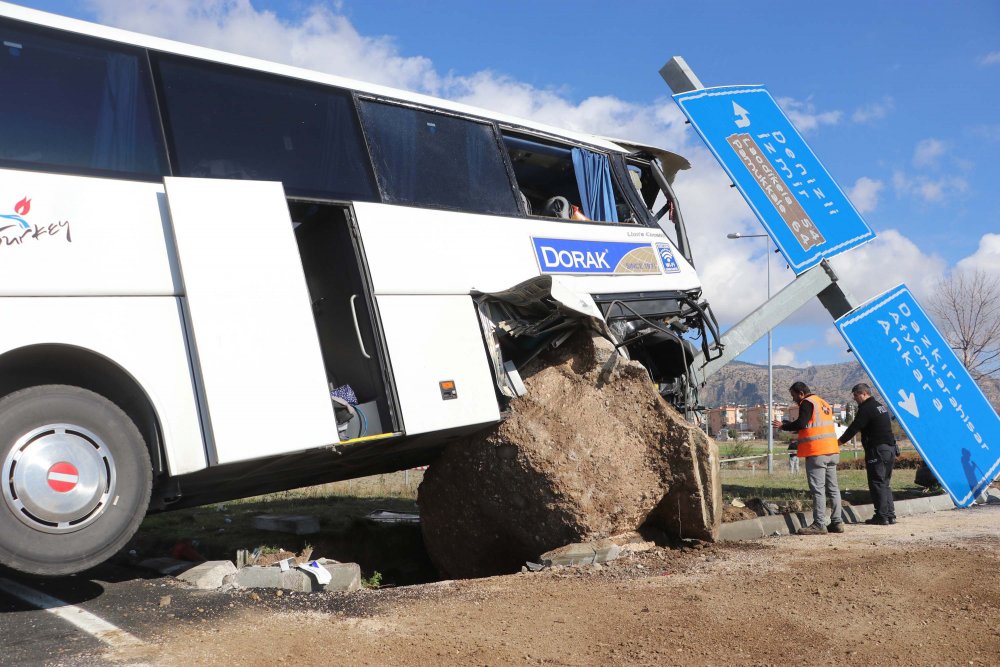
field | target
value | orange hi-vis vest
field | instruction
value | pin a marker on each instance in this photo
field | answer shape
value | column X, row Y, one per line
column 819, row 436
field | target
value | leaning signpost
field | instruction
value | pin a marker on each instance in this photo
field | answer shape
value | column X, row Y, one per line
column 810, row 219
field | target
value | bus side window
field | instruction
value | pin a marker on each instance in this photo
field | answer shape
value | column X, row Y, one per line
column 423, row 158
column 76, row 104
column 228, row 122
column 566, row 182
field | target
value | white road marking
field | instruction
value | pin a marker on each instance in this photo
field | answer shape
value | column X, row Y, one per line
column 94, row 626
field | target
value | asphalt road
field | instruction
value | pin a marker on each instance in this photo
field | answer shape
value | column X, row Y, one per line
column 70, row 630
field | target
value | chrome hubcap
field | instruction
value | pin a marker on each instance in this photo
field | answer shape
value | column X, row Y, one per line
column 58, row 478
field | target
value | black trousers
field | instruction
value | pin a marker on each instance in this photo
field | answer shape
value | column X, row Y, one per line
column 879, row 461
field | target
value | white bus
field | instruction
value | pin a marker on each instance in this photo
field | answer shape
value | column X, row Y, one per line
column 198, row 248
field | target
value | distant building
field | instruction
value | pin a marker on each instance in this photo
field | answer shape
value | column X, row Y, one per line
column 757, row 419
column 752, row 421
column 724, row 418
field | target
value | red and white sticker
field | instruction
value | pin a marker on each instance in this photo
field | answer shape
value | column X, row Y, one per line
column 63, row 477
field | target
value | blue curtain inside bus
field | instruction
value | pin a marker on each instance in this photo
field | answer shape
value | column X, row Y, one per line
column 114, row 145
column 593, row 176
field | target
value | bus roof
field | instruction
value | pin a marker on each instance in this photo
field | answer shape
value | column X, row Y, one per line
column 671, row 161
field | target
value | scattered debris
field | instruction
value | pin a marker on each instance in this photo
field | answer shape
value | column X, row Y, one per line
column 208, row 575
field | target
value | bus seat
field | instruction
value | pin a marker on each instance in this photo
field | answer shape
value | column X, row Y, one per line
column 557, row 207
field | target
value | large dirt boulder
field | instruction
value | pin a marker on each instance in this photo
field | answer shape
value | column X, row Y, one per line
column 590, row 451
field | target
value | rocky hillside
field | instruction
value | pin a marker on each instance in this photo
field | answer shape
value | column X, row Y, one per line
column 746, row 384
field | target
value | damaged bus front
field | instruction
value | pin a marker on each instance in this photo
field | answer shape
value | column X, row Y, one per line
column 631, row 276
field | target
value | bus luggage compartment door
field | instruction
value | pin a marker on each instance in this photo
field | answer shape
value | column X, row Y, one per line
column 254, row 349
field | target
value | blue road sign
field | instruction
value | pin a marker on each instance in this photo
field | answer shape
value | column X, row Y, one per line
column 931, row 393
column 801, row 206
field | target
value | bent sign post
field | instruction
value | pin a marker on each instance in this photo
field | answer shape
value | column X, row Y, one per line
column 803, row 209
column 931, row 393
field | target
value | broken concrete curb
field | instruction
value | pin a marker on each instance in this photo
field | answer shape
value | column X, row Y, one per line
column 208, row 575
column 787, row 524
column 346, row 577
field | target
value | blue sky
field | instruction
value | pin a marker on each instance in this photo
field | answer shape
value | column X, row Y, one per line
column 899, row 100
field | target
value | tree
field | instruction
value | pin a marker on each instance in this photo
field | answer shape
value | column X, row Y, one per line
column 966, row 307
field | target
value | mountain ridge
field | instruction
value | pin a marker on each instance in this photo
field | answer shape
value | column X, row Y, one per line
column 743, row 383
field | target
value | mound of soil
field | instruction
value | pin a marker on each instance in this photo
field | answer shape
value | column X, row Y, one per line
column 591, row 451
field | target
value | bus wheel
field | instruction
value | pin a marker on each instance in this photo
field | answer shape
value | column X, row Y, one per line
column 76, row 479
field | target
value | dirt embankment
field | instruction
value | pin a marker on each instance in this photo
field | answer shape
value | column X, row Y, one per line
column 591, row 451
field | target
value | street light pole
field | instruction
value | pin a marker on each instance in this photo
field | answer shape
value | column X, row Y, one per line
column 770, row 372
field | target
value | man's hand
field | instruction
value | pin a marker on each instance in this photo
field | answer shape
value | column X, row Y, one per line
column 776, row 423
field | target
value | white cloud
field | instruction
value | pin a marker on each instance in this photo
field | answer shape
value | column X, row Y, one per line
column 804, row 116
column 786, row 356
column 864, row 193
column 874, row 111
column 930, row 190
column 783, row 356
column 991, row 58
column 986, row 258
column 928, row 152
column 890, row 259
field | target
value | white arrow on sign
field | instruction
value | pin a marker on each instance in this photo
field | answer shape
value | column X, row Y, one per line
column 909, row 403
column 742, row 116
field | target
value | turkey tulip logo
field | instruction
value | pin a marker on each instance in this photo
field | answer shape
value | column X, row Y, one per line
column 21, row 209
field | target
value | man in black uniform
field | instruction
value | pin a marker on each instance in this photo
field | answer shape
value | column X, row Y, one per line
column 874, row 423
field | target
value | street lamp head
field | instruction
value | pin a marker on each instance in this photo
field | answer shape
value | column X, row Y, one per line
column 734, row 235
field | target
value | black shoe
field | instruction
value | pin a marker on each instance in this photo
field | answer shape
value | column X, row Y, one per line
column 878, row 521
column 892, row 520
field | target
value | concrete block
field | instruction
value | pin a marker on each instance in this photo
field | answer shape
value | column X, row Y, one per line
column 208, row 575
column 297, row 524
column 992, row 495
column 736, row 531
column 571, row 554
column 941, row 502
column 606, row 550
column 913, row 506
column 168, row 566
column 272, row 577
column 346, row 577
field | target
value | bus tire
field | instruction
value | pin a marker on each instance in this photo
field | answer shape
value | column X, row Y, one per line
column 76, row 479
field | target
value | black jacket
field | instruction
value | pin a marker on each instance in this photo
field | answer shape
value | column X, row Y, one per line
column 874, row 423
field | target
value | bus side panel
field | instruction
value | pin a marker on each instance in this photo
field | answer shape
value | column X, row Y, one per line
column 256, row 354
column 72, row 235
column 426, row 251
column 142, row 335
column 434, row 339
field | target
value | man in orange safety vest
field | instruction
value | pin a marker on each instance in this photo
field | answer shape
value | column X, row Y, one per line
column 819, row 447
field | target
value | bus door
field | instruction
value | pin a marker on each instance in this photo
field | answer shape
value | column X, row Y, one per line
column 347, row 322
column 252, row 339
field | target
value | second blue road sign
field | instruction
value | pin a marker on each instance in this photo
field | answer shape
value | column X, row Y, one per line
column 931, row 393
